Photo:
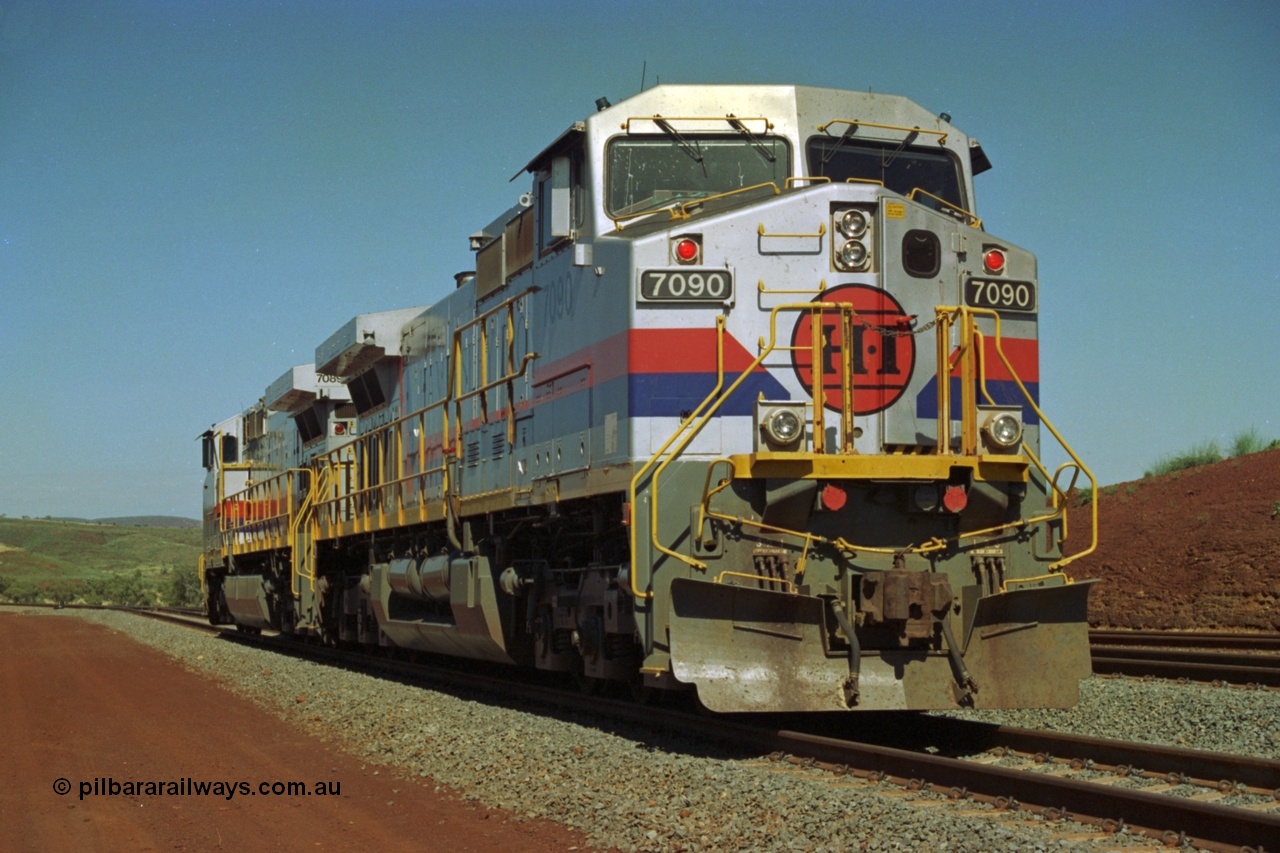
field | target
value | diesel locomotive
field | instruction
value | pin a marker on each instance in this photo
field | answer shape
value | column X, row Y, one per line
column 740, row 397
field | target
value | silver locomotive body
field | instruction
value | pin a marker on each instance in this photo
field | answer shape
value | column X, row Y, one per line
column 741, row 396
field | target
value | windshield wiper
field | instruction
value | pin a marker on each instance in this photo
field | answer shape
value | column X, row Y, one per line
column 840, row 140
column 752, row 138
column 910, row 138
column 689, row 148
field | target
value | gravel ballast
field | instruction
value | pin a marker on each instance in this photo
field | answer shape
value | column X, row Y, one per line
column 637, row 789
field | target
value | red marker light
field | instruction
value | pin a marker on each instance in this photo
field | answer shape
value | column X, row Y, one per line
column 686, row 250
column 993, row 260
column 834, row 497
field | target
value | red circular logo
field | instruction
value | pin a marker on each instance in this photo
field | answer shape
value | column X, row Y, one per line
column 880, row 361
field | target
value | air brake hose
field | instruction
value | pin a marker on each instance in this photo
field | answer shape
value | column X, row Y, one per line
column 965, row 681
column 855, row 655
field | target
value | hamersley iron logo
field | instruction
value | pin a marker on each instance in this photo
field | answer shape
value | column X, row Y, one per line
column 881, row 362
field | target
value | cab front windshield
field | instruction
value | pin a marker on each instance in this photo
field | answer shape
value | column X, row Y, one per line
column 647, row 173
column 898, row 167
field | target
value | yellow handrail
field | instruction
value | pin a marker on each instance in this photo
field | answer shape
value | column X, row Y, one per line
column 258, row 516
column 974, row 221
column 698, row 202
column 631, row 492
column 678, row 210
column 1075, row 459
column 688, row 429
column 941, row 134
column 971, row 365
column 768, row 125
column 302, row 553
column 760, row 288
column 795, row 179
column 381, row 494
column 822, row 230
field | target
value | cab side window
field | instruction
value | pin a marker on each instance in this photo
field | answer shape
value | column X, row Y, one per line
column 560, row 200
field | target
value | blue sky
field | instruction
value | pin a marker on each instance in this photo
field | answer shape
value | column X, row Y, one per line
column 193, row 195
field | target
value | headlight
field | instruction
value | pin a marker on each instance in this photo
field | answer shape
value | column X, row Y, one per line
column 783, row 426
column 853, row 255
column 852, row 223
column 853, row 237
column 1003, row 430
column 780, row 426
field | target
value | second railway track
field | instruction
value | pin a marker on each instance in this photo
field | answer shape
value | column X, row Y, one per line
column 1235, row 658
column 1247, row 641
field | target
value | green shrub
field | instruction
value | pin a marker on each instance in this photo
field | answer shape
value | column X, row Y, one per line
column 1249, row 441
column 181, row 586
column 1201, row 454
column 23, row 592
column 62, row 592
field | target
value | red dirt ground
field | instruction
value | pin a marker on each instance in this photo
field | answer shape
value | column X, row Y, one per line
column 1196, row 549
column 79, row 703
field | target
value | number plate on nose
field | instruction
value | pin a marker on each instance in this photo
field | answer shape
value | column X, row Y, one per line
column 686, row 285
column 1002, row 295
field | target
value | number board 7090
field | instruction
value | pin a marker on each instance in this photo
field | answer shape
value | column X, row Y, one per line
column 1000, row 295
column 686, row 285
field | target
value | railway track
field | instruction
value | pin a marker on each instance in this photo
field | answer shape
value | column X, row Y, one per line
column 1177, row 808
column 1235, row 658
column 1173, row 795
column 1236, row 640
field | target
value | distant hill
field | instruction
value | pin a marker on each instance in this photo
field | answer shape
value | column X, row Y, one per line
column 119, row 561
column 40, row 552
column 151, row 521
column 137, row 521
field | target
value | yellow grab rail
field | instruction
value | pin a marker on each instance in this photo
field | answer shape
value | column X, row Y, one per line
column 387, row 493
column 974, row 221
column 693, row 424
column 968, row 358
column 822, row 230
column 941, row 134
column 1076, row 462
column 678, row 210
column 257, row 517
column 660, row 120
column 635, row 480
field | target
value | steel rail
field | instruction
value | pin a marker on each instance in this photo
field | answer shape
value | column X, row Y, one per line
column 1213, row 666
column 1210, row 769
column 1241, row 640
column 1211, row 826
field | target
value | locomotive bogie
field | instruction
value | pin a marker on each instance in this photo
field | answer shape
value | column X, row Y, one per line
column 739, row 397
